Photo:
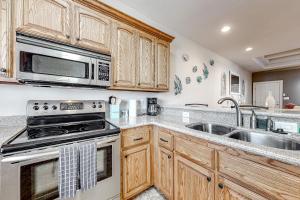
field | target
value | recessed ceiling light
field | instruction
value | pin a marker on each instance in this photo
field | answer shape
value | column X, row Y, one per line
column 249, row 49
column 225, row 29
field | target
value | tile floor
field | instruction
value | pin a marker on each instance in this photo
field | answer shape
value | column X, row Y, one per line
column 150, row 194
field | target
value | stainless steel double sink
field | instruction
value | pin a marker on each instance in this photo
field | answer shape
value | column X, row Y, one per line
column 247, row 136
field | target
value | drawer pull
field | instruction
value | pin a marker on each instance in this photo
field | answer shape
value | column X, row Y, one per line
column 208, row 179
column 137, row 139
column 169, row 156
column 161, row 139
column 221, row 186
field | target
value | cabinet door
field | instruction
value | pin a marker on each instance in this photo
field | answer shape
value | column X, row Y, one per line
column 6, row 70
column 166, row 172
column 136, row 170
column 44, row 18
column 93, row 30
column 227, row 190
column 192, row 182
column 146, row 67
column 124, row 55
column 162, row 65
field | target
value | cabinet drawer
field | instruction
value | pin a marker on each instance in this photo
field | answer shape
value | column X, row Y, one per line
column 195, row 151
column 275, row 183
column 135, row 136
column 165, row 139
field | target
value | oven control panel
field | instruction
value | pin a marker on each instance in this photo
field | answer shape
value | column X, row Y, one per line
column 53, row 107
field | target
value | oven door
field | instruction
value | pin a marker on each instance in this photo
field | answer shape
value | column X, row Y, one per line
column 34, row 175
column 41, row 64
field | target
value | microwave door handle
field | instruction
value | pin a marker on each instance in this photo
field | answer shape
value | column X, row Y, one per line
column 93, row 71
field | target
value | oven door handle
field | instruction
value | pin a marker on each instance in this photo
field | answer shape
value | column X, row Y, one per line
column 22, row 158
column 51, row 154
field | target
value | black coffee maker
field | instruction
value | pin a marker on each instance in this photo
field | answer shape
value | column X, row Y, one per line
column 153, row 108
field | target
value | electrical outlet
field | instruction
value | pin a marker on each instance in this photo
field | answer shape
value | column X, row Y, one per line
column 185, row 117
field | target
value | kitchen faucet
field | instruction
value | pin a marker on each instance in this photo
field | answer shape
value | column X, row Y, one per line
column 237, row 108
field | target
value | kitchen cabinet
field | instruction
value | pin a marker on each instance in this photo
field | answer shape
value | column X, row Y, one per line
column 136, row 170
column 191, row 181
column 92, row 29
column 124, row 55
column 146, row 61
column 45, row 18
column 165, row 168
column 6, row 66
column 162, row 65
column 228, row 190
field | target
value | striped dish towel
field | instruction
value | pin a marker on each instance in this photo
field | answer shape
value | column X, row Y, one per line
column 88, row 165
column 68, row 169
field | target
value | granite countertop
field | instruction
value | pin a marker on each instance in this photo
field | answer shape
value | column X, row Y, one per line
column 176, row 124
column 285, row 113
column 169, row 122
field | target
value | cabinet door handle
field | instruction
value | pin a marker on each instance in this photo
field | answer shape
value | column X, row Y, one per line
column 163, row 140
column 221, row 186
column 208, row 179
column 2, row 69
column 169, row 156
column 126, row 156
column 137, row 139
column 78, row 39
column 68, row 36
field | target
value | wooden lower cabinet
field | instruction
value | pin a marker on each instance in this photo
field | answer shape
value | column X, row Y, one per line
column 165, row 172
column 136, row 170
column 228, row 190
column 191, row 181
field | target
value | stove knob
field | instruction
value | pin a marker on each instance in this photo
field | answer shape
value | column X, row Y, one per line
column 100, row 106
column 94, row 106
column 36, row 108
column 54, row 107
column 45, row 107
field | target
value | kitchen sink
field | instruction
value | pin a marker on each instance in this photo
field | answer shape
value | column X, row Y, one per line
column 211, row 128
column 266, row 140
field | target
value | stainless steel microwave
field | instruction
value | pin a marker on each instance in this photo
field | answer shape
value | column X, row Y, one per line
column 44, row 62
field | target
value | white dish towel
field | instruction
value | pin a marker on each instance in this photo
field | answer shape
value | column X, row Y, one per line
column 68, row 169
column 88, row 165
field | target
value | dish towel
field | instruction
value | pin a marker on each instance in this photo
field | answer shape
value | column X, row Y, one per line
column 68, row 169
column 88, row 165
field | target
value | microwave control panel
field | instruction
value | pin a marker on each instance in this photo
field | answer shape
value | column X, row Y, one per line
column 103, row 71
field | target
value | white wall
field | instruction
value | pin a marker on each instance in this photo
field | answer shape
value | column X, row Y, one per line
column 13, row 98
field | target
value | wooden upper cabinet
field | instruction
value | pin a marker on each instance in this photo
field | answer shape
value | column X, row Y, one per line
column 145, row 60
column 92, row 29
column 6, row 70
column 136, row 170
column 227, row 190
column 45, row 18
column 124, row 55
column 165, row 170
column 192, row 182
column 162, row 65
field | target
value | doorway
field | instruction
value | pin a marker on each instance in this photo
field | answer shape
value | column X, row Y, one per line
column 261, row 91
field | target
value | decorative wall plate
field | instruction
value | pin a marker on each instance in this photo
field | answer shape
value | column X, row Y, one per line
column 195, row 68
column 188, row 80
column 185, row 57
column 177, row 85
column 223, row 84
column 205, row 71
column 199, row 79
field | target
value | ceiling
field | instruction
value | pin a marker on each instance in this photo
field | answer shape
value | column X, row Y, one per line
column 269, row 26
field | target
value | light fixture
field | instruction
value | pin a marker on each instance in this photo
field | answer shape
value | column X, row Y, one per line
column 225, row 29
column 249, row 49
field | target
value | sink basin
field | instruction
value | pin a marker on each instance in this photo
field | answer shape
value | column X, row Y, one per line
column 266, row 140
column 211, row 128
